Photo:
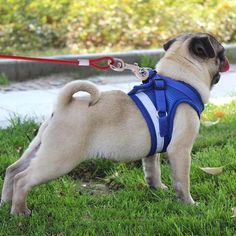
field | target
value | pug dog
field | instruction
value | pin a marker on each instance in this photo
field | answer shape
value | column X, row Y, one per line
column 109, row 125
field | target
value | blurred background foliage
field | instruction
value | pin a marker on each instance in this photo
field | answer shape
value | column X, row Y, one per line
column 74, row 26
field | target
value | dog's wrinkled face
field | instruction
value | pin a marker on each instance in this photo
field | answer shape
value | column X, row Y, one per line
column 203, row 48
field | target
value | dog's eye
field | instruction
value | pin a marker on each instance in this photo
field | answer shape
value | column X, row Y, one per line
column 217, row 61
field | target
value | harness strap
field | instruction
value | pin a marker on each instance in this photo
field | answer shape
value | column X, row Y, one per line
column 160, row 97
column 191, row 93
column 148, row 111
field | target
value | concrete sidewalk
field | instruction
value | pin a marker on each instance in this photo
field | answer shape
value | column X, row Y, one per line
column 38, row 103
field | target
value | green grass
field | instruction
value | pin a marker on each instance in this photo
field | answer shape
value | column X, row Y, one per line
column 3, row 79
column 118, row 202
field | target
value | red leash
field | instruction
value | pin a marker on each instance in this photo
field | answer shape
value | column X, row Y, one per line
column 80, row 62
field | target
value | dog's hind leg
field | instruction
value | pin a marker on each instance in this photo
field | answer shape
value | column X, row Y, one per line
column 20, row 165
column 13, row 170
column 152, row 171
column 45, row 167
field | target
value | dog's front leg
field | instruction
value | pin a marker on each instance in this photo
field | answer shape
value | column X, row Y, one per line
column 180, row 161
column 152, row 171
column 185, row 130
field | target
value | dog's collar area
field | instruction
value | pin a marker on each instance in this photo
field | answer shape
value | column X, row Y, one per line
column 157, row 98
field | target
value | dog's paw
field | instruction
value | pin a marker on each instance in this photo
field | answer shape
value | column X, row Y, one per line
column 163, row 186
column 189, row 200
column 22, row 212
column 155, row 183
column 159, row 186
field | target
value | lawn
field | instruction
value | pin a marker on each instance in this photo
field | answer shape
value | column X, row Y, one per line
column 118, row 202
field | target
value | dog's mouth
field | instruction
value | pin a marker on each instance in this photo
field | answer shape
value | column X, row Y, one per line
column 216, row 79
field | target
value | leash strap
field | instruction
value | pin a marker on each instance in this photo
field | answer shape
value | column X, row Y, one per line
column 101, row 63
column 95, row 63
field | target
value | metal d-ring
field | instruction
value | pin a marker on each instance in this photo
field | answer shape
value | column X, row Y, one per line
column 119, row 65
column 164, row 112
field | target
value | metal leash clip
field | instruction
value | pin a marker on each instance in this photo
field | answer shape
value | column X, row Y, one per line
column 120, row 65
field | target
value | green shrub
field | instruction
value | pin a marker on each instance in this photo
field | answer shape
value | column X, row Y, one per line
column 32, row 25
column 107, row 25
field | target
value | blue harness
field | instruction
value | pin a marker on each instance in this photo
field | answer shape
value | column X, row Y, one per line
column 157, row 99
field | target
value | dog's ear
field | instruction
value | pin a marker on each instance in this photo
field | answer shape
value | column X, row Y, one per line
column 167, row 45
column 201, row 46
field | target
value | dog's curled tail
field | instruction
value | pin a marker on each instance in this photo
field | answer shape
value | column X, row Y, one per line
column 66, row 94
